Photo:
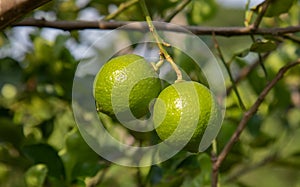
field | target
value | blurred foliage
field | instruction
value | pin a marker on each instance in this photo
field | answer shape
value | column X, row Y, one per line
column 275, row 7
column 201, row 10
column 40, row 144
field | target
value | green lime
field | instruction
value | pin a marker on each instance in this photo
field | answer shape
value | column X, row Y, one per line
column 182, row 113
column 126, row 84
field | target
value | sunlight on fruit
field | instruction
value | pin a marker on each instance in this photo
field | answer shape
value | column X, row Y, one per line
column 183, row 113
column 126, row 83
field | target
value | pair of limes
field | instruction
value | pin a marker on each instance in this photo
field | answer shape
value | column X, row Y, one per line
column 127, row 84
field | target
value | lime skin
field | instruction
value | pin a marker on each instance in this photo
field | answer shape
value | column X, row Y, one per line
column 126, row 84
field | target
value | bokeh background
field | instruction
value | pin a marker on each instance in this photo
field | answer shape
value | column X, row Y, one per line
column 40, row 144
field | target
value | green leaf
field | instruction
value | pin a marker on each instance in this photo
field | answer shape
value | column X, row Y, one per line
column 276, row 7
column 59, row 45
column 242, row 53
column 67, row 10
column 155, row 174
column 160, row 7
column 254, row 125
column 86, row 169
column 263, row 46
column 43, row 51
column 3, row 39
column 35, row 176
column 190, row 163
column 33, row 111
column 225, row 133
column 201, row 174
column 227, row 130
column 45, row 154
column 257, row 82
column 283, row 97
column 201, row 10
column 10, row 81
column 77, row 156
column 190, row 67
column 10, row 132
column 263, row 140
column 12, row 157
column 59, row 127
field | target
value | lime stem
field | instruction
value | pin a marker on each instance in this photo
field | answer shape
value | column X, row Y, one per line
column 160, row 43
column 159, row 63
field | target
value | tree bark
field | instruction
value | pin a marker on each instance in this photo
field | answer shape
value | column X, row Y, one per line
column 12, row 10
column 142, row 26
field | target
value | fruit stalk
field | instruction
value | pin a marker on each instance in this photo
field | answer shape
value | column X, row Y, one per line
column 160, row 42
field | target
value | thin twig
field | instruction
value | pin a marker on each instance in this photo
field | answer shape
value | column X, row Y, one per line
column 260, row 59
column 176, row 10
column 263, row 67
column 121, row 8
column 248, row 115
column 261, row 14
column 160, row 42
column 214, row 154
column 139, row 26
column 292, row 38
column 227, row 67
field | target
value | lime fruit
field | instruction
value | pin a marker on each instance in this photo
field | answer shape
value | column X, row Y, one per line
column 182, row 113
column 126, row 85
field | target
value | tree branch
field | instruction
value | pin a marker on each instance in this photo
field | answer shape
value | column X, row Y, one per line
column 247, row 116
column 12, row 10
column 139, row 26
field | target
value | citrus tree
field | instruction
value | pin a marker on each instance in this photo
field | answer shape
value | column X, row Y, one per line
column 255, row 45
